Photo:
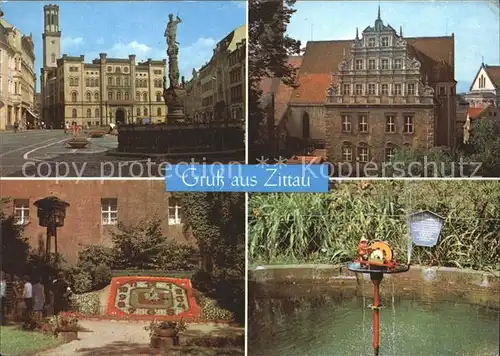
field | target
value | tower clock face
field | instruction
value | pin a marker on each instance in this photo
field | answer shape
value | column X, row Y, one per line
column 151, row 298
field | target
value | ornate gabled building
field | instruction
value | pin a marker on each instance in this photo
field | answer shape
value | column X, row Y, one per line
column 17, row 77
column 364, row 99
column 108, row 90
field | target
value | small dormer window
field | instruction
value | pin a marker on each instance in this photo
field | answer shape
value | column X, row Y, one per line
column 398, row 63
column 371, row 42
column 385, row 41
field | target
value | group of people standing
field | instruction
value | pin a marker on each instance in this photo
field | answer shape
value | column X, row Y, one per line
column 23, row 299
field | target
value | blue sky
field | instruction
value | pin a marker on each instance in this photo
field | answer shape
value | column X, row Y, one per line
column 121, row 28
column 475, row 24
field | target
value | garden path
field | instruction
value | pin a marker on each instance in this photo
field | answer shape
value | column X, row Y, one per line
column 112, row 338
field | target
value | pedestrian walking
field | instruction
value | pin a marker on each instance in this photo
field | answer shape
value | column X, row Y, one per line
column 28, row 298
column 16, row 126
column 61, row 294
column 38, row 299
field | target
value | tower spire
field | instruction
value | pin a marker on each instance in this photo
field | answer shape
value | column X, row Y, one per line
column 357, row 34
column 400, row 30
column 378, row 17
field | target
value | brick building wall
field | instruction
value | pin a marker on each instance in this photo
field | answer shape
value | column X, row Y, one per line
column 136, row 200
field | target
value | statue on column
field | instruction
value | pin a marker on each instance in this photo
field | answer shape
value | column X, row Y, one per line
column 171, row 31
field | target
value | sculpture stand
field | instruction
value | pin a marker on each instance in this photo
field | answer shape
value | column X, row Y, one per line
column 175, row 95
column 376, row 275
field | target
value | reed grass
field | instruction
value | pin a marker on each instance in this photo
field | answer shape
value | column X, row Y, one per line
column 326, row 228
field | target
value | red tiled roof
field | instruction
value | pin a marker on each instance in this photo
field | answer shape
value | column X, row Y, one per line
column 494, row 74
column 474, row 113
column 322, row 58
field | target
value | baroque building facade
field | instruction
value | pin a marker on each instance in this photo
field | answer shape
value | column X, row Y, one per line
column 107, row 90
column 17, row 77
column 217, row 90
column 364, row 99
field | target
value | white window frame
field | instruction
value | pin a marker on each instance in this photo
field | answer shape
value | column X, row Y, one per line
column 358, row 86
column 390, row 124
column 107, row 205
column 390, row 152
column 363, row 123
column 408, row 124
column 347, row 153
column 174, row 212
column 398, row 63
column 396, row 87
column 359, row 61
column 344, row 87
column 386, row 61
column 24, row 210
column 371, row 60
column 346, row 123
column 372, row 42
column 386, row 91
column 382, row 42
column 370, row 86
column 411, row 89
column 363, row 154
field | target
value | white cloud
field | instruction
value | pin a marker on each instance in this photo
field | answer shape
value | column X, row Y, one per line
column 100, row 41
column 195, row 55
column 69, row 42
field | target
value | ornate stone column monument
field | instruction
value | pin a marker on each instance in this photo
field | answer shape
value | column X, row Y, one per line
column 174, row 94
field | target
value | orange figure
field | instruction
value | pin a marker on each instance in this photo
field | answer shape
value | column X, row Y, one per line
column 363, row 249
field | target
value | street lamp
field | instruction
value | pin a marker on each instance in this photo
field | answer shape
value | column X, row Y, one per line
column 51, row 212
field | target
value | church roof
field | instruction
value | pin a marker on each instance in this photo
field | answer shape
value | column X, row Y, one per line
column 494, row 74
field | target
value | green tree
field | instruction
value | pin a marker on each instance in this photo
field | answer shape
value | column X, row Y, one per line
column 268, row 51
column 15, row 247
column 217, row 222
column 485, row 145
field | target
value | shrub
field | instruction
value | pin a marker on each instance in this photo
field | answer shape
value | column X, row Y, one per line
column 101, row 276
column 86, row 304
column 82, row 281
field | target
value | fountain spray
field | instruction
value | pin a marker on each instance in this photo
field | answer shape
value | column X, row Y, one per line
column 377, row 258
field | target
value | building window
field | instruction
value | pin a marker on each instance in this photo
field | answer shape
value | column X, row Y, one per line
column 117, row 70
column 126, row 82
column 481, row 82
column 174, row 212
column 89, row 113
column 347, row 153
column 385, row 89
column 21, row 211
column 110, row 95
column 398, row 64
column 74, row 97
column 96, row 96
column 158, row 97
column 87, row 82
column 389, row 153
column 411, row 89
column 73, row 114
column 97, row 82
column 145, row 111
column 363, row 154
column 127, row 96
column 138, row 111
column 97, row 113
column 145, row 96
column 110, row 69
column 118, row 82
column 137, row 96
column 385, row 64
column 385, row 41
column 88, row 97
column 371, row 42
column 371, row 89
column 119, row 95
column 158, row 112
column 408, row 127
column 125, row 69
column 442, row 91
column 371, row 64
column 359, row 64
column 71, row 82
column 346, row 123
column 53, row 58
column 346, row 89
column 109, row 211
column 110, row 81
column 397, row 89
column 359, row 89
column 390, row 124
column 363, row 123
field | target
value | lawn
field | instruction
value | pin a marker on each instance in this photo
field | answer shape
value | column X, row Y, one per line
column 15, row 342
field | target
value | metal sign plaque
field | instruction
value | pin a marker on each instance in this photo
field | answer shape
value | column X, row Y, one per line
column 425, row 228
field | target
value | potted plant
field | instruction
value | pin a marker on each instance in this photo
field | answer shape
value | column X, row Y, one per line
column 163, row 334
column 65, row 326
